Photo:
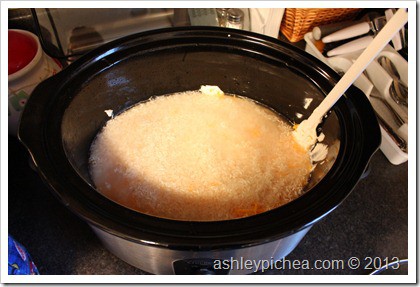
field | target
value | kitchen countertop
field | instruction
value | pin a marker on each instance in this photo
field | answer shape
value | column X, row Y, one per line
column 372, row 222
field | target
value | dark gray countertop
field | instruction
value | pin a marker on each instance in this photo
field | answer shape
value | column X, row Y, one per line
column 372, row 222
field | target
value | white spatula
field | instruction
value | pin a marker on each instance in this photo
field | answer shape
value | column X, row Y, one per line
column 305, row 133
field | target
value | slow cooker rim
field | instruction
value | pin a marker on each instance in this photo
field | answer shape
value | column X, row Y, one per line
column 214, row 241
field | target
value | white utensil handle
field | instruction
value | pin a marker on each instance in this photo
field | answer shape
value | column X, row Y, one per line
column 396, row 40
column 376, row 46
column 322, row 31
column 352, row 46
column 403, row 131
column 349, row 32
column 305, row 133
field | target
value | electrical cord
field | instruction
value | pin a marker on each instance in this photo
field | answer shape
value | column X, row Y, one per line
column 54, row 28
column 387, row 266
column 37, row 29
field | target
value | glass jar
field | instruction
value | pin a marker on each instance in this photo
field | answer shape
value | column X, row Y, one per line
column 235, row 18
column 222, row 16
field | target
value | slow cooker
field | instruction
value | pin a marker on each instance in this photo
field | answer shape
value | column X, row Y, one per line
column 65, row 112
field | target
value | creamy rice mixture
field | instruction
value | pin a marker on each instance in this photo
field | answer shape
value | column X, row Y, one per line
column 199, row 156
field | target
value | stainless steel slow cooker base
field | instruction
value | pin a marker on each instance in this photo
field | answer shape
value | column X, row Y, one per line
column 159, row 260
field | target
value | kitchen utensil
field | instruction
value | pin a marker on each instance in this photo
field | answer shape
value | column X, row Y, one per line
column 376, row 25
column 356, row 30
column 398, row 90
column 338, row 63
column 399, row 39
column 401, row 143
column 351, row 46
column 403, row 131
column 68, row 111
column 359, row 43
column 320, row 32
column 390, row 120
column 400, row 121
column 305, row 133
column 379, row 79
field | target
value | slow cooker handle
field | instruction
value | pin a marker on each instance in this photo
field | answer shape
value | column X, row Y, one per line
column 31, row 126
column 369, row 123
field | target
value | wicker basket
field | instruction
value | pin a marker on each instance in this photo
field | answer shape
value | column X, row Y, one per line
column 297, row 22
